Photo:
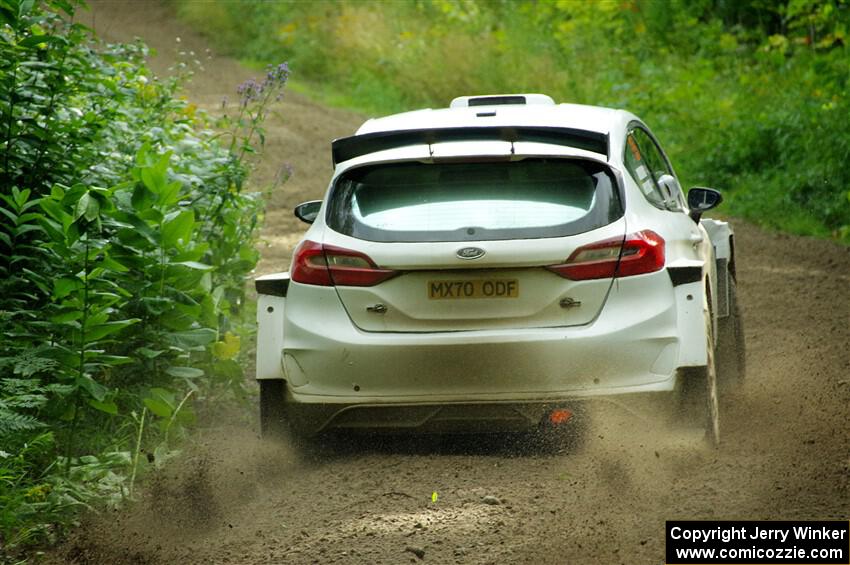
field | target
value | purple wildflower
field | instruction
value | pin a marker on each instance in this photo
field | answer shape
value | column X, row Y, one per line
column 275, row 79
column 249, row 91
column 277, row 73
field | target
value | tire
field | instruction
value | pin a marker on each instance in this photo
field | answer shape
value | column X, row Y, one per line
column 700, row 394
column 273, row 422
column 731, row 350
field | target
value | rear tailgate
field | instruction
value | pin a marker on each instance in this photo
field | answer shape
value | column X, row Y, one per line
column 508, row 287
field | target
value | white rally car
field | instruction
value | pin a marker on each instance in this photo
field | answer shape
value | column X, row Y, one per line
column 492, row 265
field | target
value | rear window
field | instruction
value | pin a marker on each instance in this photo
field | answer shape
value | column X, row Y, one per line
column 531, row 198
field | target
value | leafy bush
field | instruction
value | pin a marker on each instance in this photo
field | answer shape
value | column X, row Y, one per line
column 125, row 240
column 747, row 96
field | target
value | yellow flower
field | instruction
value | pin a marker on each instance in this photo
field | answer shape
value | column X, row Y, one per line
column 227, row 348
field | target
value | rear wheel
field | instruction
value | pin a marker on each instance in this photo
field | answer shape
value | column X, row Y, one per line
column 272, row 411
column 701, row 397
column 731, row 353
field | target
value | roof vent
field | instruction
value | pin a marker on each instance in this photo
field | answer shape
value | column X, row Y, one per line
column 501, row 100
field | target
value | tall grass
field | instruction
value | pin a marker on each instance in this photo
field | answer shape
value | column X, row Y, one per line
column 751, row 97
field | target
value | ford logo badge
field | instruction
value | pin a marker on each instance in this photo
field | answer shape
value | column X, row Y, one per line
column 470, row 253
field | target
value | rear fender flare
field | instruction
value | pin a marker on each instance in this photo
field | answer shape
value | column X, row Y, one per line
column 723, row 240
column 720, row 233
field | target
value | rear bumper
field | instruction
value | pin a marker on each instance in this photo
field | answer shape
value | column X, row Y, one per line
column 426, row 418
column 449, row 417
column 632, row 346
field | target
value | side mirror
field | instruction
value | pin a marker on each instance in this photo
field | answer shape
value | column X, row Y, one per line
column 670, row 190
column 701, row 200
column 308, row 211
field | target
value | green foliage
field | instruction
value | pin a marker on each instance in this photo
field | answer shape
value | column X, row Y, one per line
column 124, row 243
column 749, row 96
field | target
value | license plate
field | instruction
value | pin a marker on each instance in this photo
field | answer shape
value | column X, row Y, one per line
column 478, row 288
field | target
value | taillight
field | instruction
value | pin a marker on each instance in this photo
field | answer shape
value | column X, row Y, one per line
column 635, row 254
column 643, row 252
column 327, row 265
column 309, row 265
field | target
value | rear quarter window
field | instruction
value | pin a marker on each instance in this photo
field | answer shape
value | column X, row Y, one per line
column 530, row 198
column 646, row 165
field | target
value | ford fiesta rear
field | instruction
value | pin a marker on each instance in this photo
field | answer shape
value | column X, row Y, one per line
column 494, row 264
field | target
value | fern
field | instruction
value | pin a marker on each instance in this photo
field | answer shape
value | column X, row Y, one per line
column 16, row 397
column 12, row 422
column 14, row 387
column 31, row 362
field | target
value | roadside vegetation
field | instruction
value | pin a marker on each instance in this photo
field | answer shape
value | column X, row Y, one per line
column 126, row 235
column 750, row 97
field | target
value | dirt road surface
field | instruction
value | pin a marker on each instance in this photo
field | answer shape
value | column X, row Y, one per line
column 235, row 499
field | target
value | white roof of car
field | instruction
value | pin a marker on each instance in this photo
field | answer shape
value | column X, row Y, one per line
column 539, row 110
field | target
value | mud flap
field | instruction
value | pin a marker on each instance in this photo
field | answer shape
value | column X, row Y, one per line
column 691, row 324
column 722, row 287
column 270, row 309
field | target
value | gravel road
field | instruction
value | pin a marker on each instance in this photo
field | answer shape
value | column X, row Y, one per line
column 235, row 499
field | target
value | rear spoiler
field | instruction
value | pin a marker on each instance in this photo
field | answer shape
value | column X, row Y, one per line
column 350, row 147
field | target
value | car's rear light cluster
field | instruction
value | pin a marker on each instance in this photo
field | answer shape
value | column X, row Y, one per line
column 635, row 254
column 327, row 265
